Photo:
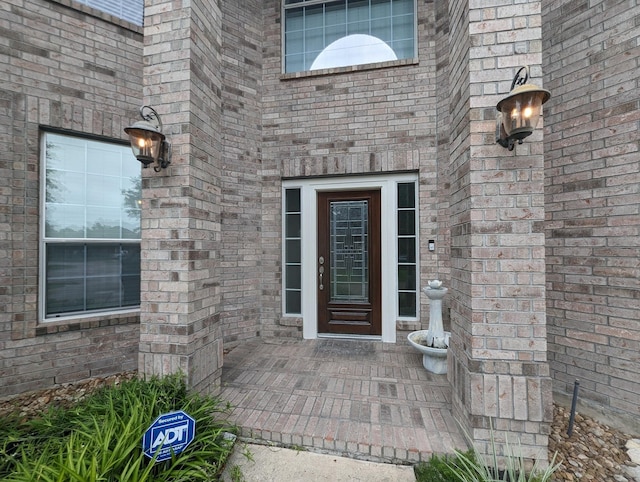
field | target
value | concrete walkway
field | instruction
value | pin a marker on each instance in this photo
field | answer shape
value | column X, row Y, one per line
column 261, row 463
column 364, row 400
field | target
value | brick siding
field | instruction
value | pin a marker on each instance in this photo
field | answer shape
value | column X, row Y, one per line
column 180, row 326
column 346, row 121
column 212, row 221
column 74, row 69
column 498, row 367
column 241, row 254
column 592, row 179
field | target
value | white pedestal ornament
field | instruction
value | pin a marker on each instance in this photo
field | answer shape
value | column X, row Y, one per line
column 434, row 342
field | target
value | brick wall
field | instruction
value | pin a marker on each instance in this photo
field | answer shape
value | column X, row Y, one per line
column 498, row 365
column 345, row 121
column 241, row 255
column 182, row 205
column 213, row 220
column 443, row 238
column 592, row 193
column 73, row 69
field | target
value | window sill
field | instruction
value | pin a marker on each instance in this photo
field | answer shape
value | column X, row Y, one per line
column 291, row 320
column 350, row 68
column 86, row 322
column 408, row 325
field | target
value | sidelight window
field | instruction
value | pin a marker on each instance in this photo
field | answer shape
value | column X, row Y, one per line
column 293, row 252
column 407, row 237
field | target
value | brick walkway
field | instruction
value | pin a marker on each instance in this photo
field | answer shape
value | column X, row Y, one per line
column 362, row 399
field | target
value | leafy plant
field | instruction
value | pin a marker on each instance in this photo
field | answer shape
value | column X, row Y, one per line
column 11, row 436
column 100, row 439
column 440, row 468
column 236, row 474
column 470, row 470
column 247, row 453
column 470, row 467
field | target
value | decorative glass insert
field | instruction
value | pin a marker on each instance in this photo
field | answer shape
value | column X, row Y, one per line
column 407, row 250
column 349, row 251
column 319, row 34
column 293, row 252
column 91, row 231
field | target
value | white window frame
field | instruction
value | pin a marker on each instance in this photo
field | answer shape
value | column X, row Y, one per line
column 44, row 241
column 309, row 189
column 307, row 3
column 416, row 204
column 284, row 248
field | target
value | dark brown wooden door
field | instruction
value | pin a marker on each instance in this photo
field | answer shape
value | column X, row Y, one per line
column 348, row 264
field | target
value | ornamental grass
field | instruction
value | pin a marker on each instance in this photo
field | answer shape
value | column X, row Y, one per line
column 100, row 438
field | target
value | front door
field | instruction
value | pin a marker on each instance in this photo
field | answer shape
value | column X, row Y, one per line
column 348, row 264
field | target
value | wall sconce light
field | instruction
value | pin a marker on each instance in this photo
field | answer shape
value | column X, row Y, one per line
column 148, row 143
column 520, row 110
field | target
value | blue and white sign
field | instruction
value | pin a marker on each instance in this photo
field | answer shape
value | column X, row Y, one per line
column 169, row 434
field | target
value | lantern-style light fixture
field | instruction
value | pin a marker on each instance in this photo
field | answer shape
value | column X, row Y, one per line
column 520, row 110
column 148, row 143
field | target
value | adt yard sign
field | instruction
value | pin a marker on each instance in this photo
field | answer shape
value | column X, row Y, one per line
column 168, row 434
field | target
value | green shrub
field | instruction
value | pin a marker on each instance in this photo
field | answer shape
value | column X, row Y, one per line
column 100, row 439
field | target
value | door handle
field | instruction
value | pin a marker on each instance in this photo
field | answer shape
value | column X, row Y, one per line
column 321, row 271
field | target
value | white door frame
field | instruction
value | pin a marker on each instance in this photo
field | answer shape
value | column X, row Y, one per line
column 388, row 226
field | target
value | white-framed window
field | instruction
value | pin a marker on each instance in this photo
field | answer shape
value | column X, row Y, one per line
column 129, row 10
column 407, row 242
column 90, row 226
column 320, row 34
column 292, row 252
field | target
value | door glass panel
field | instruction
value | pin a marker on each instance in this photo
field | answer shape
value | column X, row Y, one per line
column 349, row 251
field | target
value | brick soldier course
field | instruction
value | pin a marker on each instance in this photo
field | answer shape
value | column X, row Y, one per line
column 539, row 246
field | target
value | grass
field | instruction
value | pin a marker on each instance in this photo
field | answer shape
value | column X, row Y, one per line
column 236, row 474
column 440, row 468
column 100, row 439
